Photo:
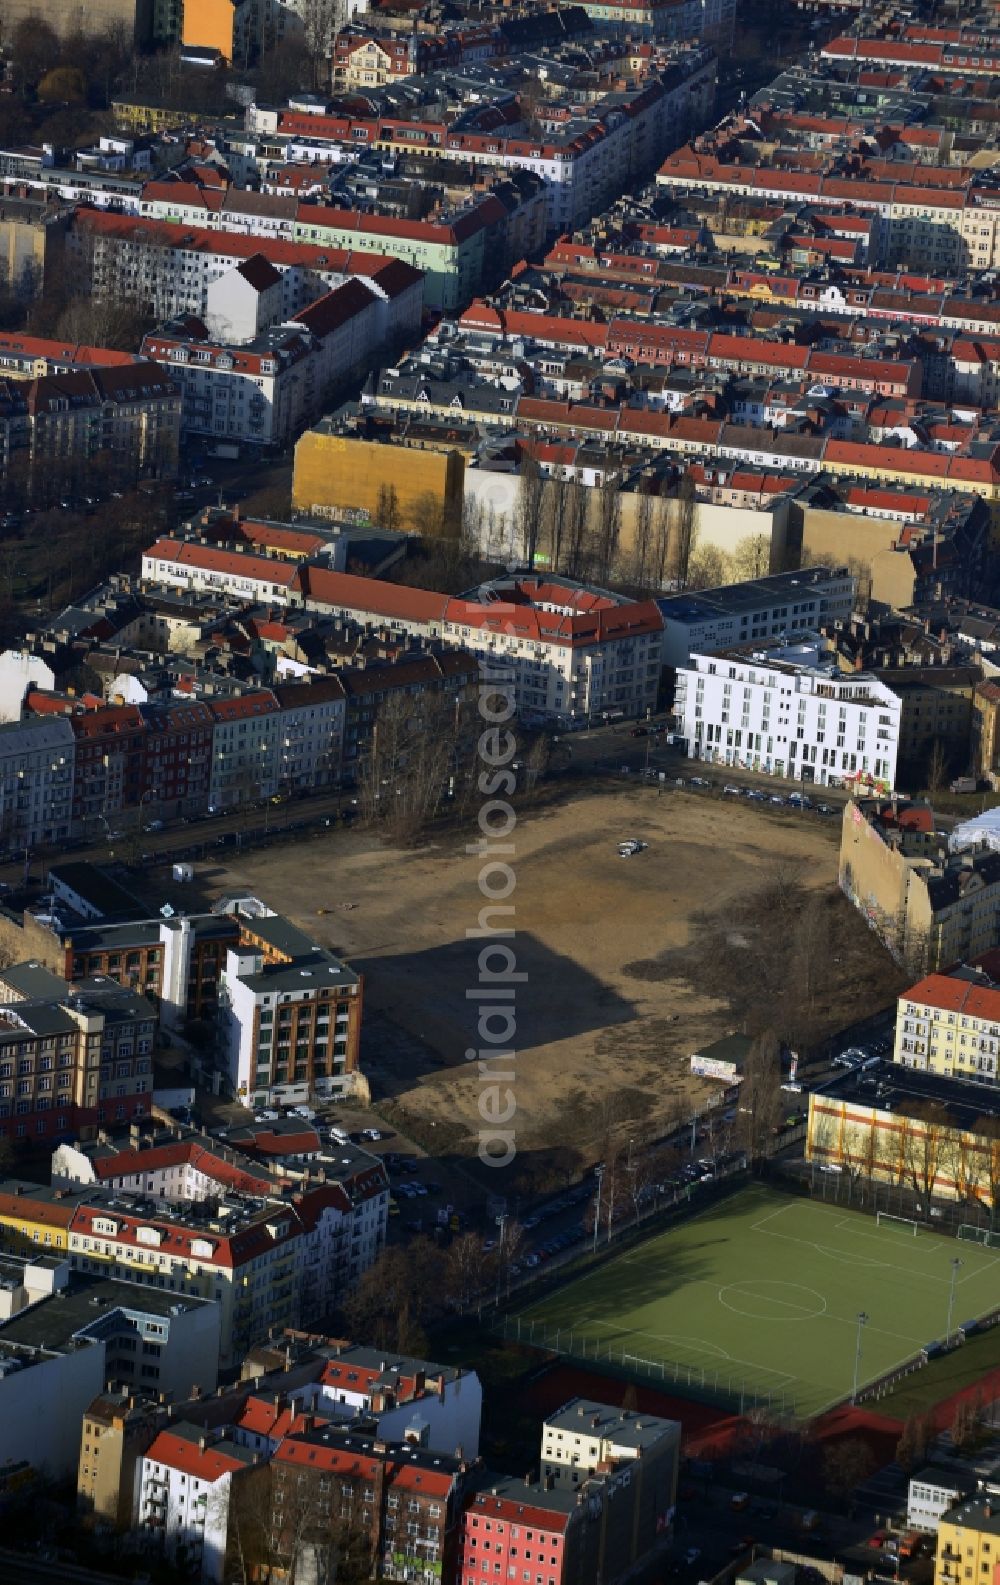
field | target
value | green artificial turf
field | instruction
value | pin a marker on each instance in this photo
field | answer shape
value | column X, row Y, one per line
column 756, row 1301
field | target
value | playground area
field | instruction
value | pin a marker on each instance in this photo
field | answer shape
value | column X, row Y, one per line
column 768, row 1299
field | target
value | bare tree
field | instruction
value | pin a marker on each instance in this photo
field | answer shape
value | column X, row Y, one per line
column 528, row 508
column 320, row 22
column 465, row 1270
column 405, row 771
column 684, row 528
column 760, row 1094
column 984, row 1163
column 923, row 1145
column 554, row 508
column 387, row 513
column 937, row 767
column 577, row 509
column 751, row 558
column 609, row 519
column 706, row 569
column 642, row 541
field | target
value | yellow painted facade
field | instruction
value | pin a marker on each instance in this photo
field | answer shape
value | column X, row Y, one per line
column 968, row 1544
column 927, row 1153
column 29, row 1230
column 341, row 475
column 955, row 1044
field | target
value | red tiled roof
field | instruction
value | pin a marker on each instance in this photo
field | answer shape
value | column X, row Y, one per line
column 208, row 1463
column 186, row 553
column 956, row 996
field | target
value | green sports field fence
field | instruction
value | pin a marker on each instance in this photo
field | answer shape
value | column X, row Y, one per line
column 731, row 1388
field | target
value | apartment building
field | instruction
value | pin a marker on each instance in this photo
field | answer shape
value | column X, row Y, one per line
column 290, row 1016
column 68, row 1336
column 184, row 1488
column 950, row 1024
column 585, row 1439
column 455, row 253
column 395, row 1391
column 572, row 652
column 968, row 1541
column 931, row 908
column 74, row 1060
column 408, row 1499
column 246, row 749
column 556, row 1534
column 763, row 708
column 313, row 722
column 761, row 608
column 169, row 269
column 32, row 232
column 118, row 1427
column 87, row 16
column 267, row 1263
column 666, row 19
column 37, row 761
column 262, row 390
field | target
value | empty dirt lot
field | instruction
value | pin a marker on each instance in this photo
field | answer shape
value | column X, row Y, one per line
column 622, row 956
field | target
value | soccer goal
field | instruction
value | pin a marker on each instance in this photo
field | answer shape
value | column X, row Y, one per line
column 881, row 1217
column 973, row 1233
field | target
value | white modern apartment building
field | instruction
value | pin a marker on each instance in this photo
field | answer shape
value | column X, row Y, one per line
column 776, row 710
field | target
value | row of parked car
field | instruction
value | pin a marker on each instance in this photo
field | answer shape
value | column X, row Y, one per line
column 792, row 800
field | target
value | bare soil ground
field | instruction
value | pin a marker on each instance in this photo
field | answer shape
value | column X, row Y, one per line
column 631, row 964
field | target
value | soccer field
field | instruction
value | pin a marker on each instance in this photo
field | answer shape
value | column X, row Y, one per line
column 758, row 1298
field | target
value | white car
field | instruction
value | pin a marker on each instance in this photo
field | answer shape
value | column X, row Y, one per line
column 372, row 1133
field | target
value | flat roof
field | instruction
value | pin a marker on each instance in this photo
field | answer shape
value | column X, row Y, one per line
column 55, row 1321
column 625, row 1427
column 33, row 981
column 320, row 968
column 752, row 595
column 98, row 889
column 908, row 1090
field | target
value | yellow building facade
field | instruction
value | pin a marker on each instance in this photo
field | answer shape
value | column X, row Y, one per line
column 968, row 1549
column 341, row 475
column 951, row 1026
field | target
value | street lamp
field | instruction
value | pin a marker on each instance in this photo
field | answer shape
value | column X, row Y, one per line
column 862, row 1319
column 951, row 1299
column 597, row 1212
